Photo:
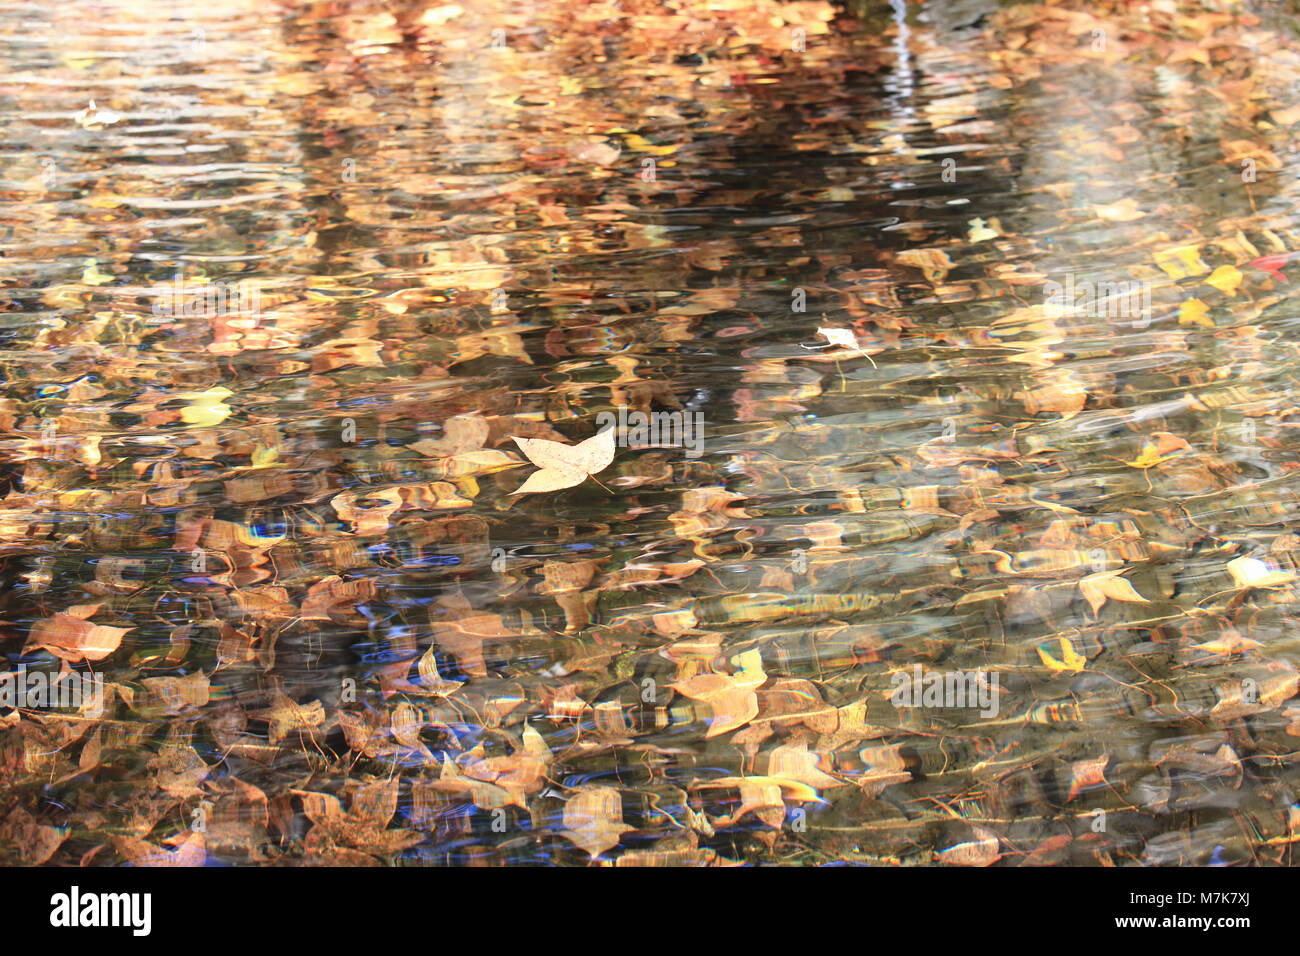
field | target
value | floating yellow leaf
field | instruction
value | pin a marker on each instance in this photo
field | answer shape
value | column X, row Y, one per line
column 1149, row 458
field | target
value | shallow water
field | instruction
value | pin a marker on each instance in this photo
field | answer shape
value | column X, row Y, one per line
column 350, row 642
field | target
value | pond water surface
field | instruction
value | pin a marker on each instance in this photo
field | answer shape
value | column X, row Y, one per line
column 272, row 310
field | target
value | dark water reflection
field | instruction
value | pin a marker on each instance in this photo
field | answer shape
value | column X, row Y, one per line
column 515, row 218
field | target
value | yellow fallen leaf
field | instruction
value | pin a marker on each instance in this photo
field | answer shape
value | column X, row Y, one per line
column 437, row 16
column 733, row 698
column 933, row 262
column 460, row 433
column 1287, row 117
column 1226, row 279
column 563, row 466
column 263, row 456
column 602, row 154
column 1230, row 642
column 1149, row 458
column 1182, row 261
column 92, row 117
column 1071, row 662
column 1195, row 312
column 207, row 408
column 1067, row 396
column 645, row 146
column 982, row 851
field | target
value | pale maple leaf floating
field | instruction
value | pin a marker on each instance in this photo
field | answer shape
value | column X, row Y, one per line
column 563, row 466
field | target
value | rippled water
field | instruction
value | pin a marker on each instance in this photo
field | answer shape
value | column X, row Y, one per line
column 515, row 218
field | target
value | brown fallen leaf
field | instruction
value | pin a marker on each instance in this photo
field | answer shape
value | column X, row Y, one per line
column 461, row 434
column 732, row 697
column 365, row 824
column 593, row 819
column 286, row 715
column 189, row 852
column 71, row 636
column 172, row 695
column 34, row 842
